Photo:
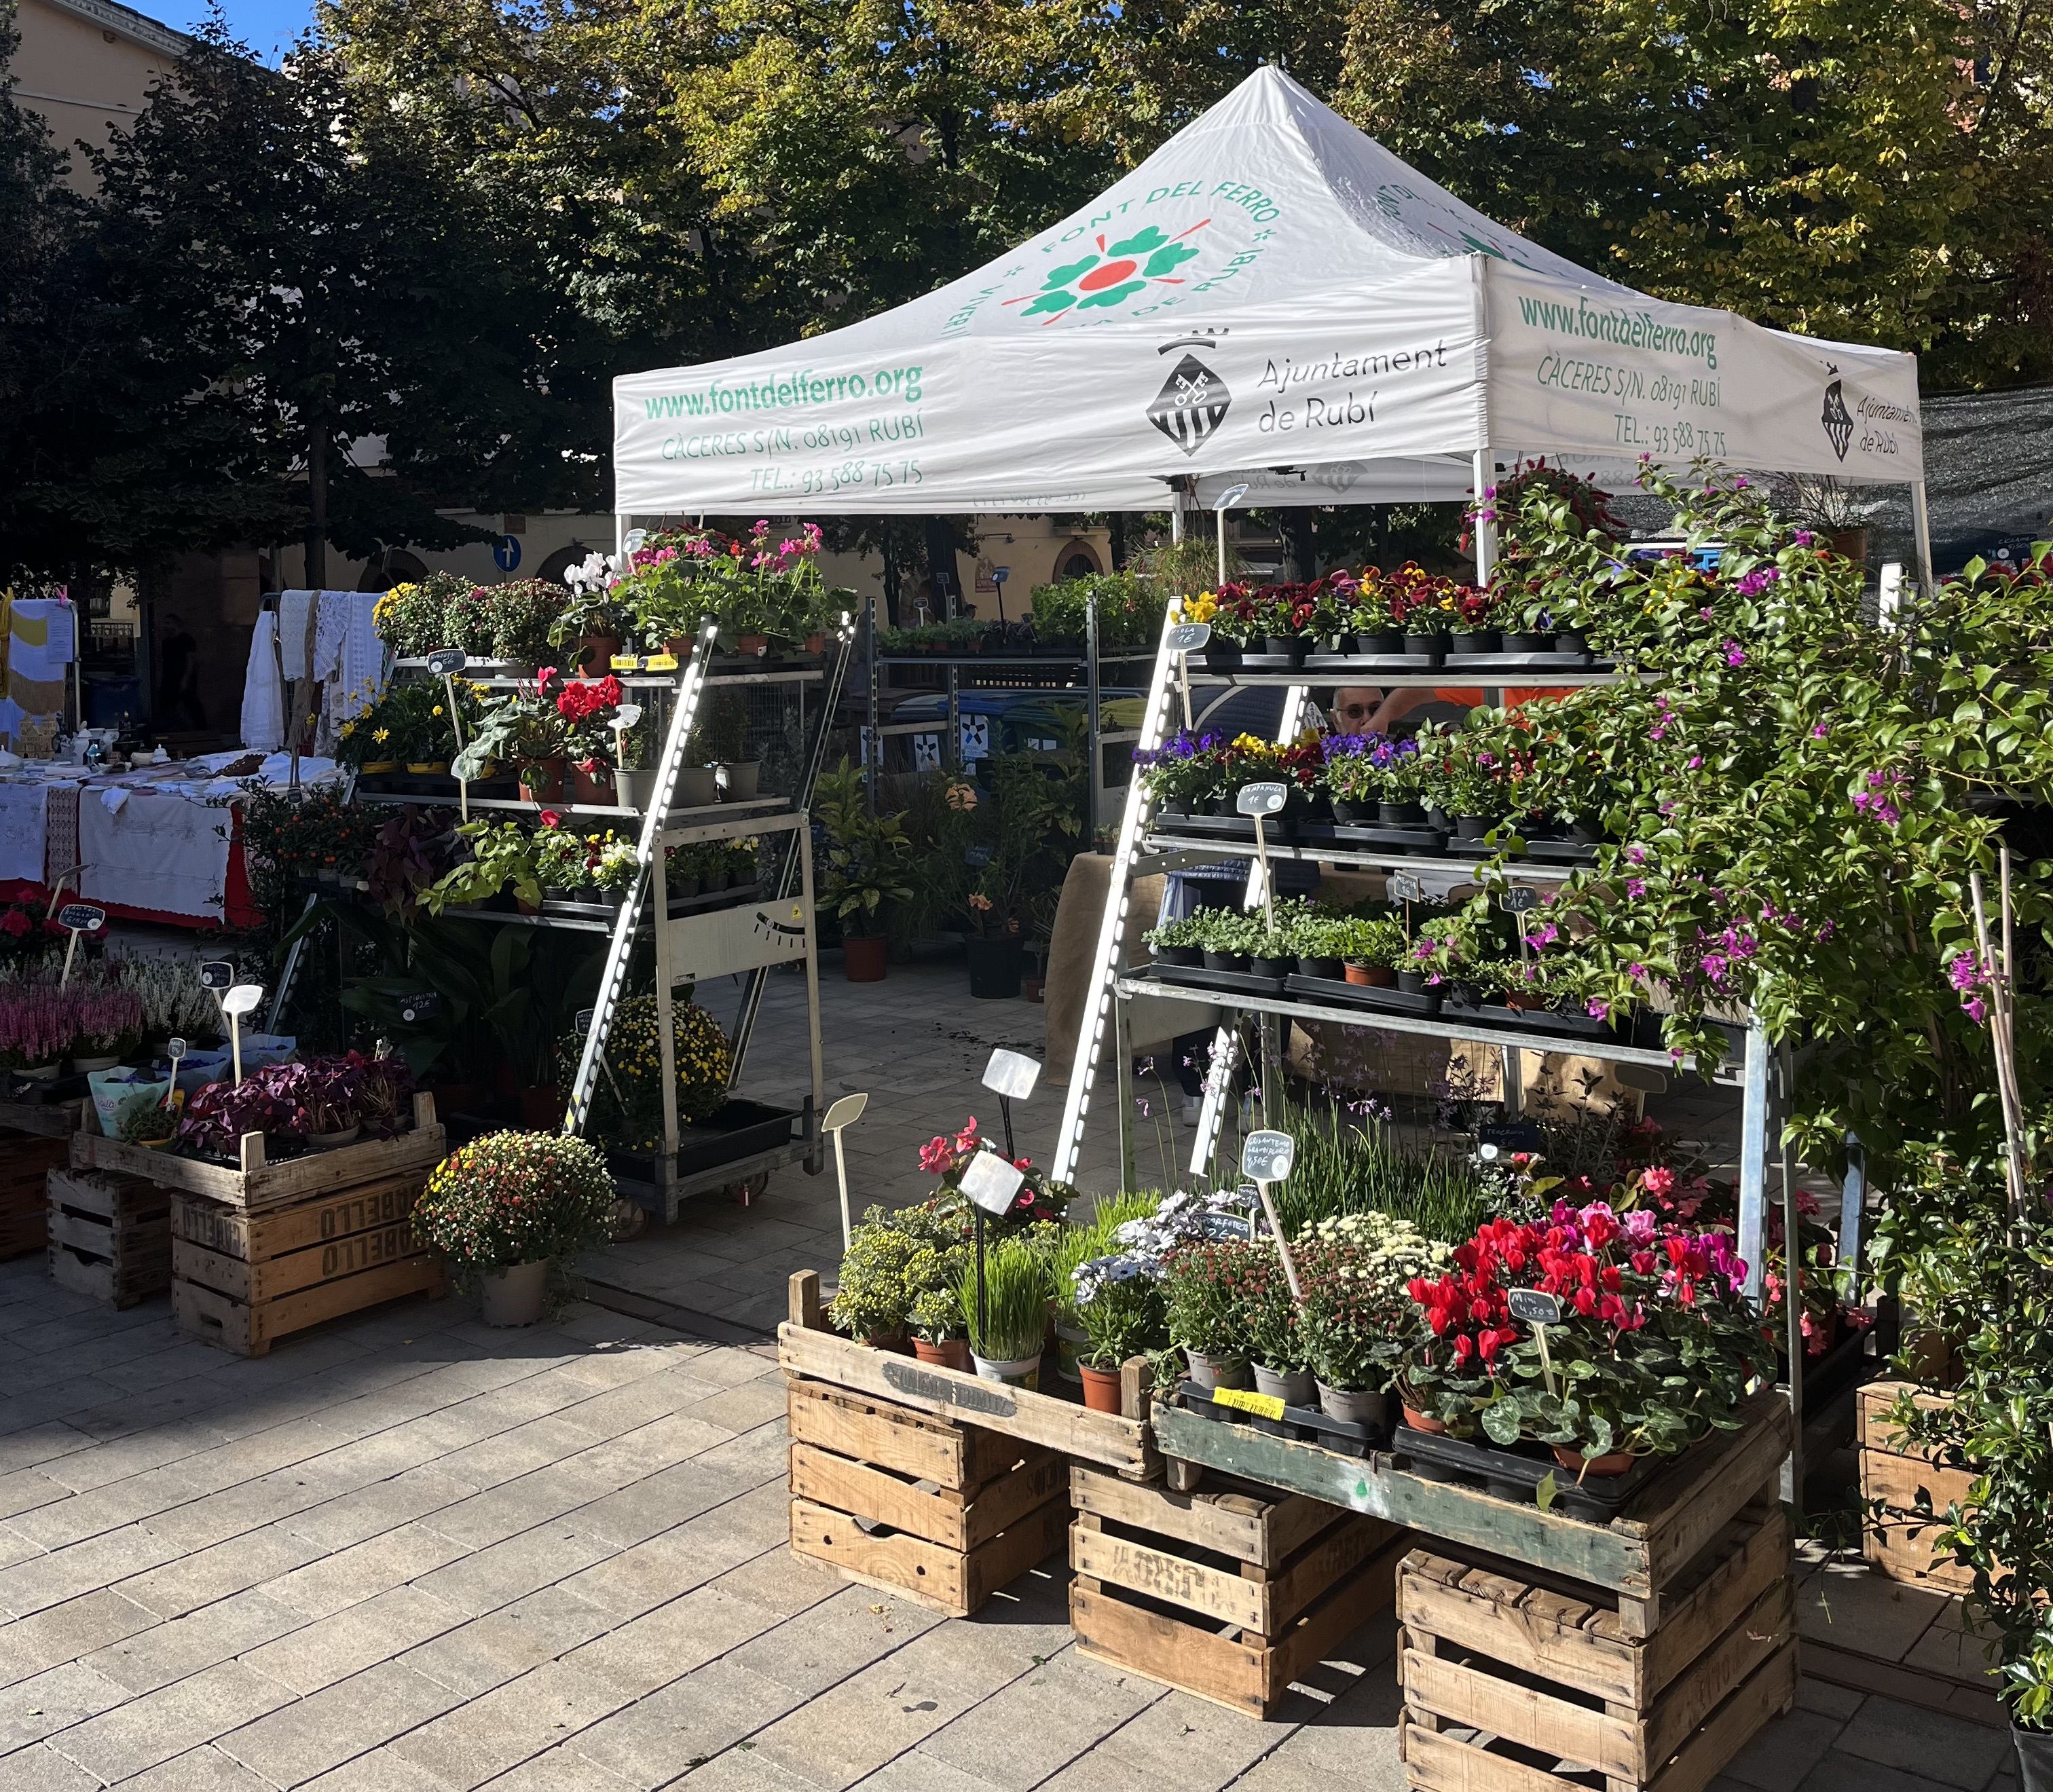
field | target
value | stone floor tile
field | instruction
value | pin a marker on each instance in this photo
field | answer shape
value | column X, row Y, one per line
column 1778, row 1758
column 488, row 1651
column 1038, row 1721
column 649, row 1508
column 198, row 1769
column 560, row 1770
column 501, row 1728
column 1847, row 1605
column 331, row 1648
column 1841, row 1772
column 99, row 1562
column 41, row 1768
column 26, row 1489
column 786, row 1583
column 383, row 1506
column 214, row 1573
column 65, row 1633
column 348, row 1578
column 302, row 1741
column 655, row 1739
column 497, row 1575
column 840, row 1636
column 1949, row 1749
column 160, row 1725
column 381, row 1772
column 54, row 1700
column 184, row 1645
column 916, row 1770
column 1822, row 1696
column 663, row 1644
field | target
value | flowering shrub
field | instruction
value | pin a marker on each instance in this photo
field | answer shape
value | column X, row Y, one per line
column 41, row 1023
column 627, row 1106
column 946, row 1156
column 411, row 619
column 1119, row 1301
column 898, row 1261
column 512, row 1197
column 1355, row 1269
column 1653, row 1347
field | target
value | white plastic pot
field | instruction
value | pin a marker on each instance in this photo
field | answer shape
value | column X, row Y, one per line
column 1018, row 1372
column 513, row 1295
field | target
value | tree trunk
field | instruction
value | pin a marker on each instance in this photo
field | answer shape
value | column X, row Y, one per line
column 1303, row 546
column 941, row 569
column 317, row 506
column 1117, row 524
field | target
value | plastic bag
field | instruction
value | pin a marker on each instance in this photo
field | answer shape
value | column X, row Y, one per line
column 113, row 1090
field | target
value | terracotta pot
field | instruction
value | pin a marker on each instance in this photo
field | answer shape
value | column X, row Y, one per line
column 525, row 906
column 951, row 1353
column 816, row 644
column 1372, row 976
column 678, row 647
column 895, row 1344
column 863, row 960
column 543, row 782
column 1851, row 544
column 752, row 647
column 1101, row 1389
column 1421, row 1421
column 1614, row 1464
column 594, row 786
column 595, row 654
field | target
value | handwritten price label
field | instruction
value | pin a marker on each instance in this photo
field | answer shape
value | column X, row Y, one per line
column 1263, row 1406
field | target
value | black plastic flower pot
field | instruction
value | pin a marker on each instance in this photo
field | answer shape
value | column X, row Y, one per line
column 1220, row 653
column 1347, row 813
column 1586, row 834
column 1271, row 967
column 1288, row 647
column 1476, row 640
column 1433, row 646
column 2035, row 1758
column 1518, row 641
column 1413, row 982
column 1384, row 641
column 1571, row 640
column 994, row 968
column 1329, row 968
column 1225, row 961
column 1187, row 956
column 1472, row 827
column 1400, row 815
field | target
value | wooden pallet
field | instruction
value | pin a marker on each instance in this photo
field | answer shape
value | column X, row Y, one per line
column 1515, row 1683
column 243, row 1279
column 26, row 1161
column 1115, row 1440
column 1230, row 1595
column 1666, row 1526
column 258, row 1186
column 942, row 1512
column 1898, row 1542
column 110, row 1236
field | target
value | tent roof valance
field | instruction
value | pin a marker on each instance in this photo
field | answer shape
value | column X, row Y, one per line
column 1272, row 298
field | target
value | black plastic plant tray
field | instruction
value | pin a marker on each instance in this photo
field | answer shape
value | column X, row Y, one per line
column 1273, row 662
column 1420, row 842
column 1515, row 1475
column 1303, row 1424
column 741, row 1129
column 1363, row 995
column 1561, row 852
column 1460, row 848
column 1371, row 663
column 1231, row 982
column 1279, row 828
column 1501, row 662
column 38, row 1092
column 1547, row 1021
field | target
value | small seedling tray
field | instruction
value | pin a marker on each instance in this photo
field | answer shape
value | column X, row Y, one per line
column 1230, row 983
column 1364, row 995
column 1305, row 1423
column 1515, row 1475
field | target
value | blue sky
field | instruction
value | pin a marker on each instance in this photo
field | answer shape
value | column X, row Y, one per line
column 268, row 26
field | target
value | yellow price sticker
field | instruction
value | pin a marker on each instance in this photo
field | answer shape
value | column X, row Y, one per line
column 627, row 662
column 661, row 662
column 1263, row 1406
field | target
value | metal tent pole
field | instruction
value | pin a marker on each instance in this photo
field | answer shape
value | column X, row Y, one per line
column 1920, row 526
column 1753, row 1163
column 1092, row 794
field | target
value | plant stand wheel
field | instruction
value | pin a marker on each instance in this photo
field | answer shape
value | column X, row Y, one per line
column 750, row 1190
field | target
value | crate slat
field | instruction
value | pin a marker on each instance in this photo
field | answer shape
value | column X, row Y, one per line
column 956, row 1582
column 251, row 1330
column 943, row 1515
column 109, row 1235
column 913, row 1443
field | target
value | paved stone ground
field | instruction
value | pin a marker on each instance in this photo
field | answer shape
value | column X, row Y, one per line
column 409, row 1553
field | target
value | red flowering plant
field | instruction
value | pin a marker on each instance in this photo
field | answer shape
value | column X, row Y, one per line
column 1651, row 1351
column 947, row 1155
column 586, row 707
column 1234, row 616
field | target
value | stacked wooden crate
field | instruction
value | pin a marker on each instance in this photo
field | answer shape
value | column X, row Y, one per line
column 266, row 1250
column 942, row 1512
column 1894, row 1482
column 1232, row 1594
column 927, row 1481
column 1516, row 1678
column 35, row 1138
column 110, row 1235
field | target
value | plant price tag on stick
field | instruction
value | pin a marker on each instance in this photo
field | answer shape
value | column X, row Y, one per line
column 1263, row 1406
column 1190, row 637
column 216, row 975
column 81, row 917
column 991, row 1183
column 1539, row 1310
column 1011, row 1074
column 1261, row 799
column 423, row 1005
column 1519, row 900
column 446, row 662
column 1267, row 1157
column 1404, row 886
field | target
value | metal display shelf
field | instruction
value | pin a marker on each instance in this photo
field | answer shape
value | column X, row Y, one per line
column 1097, row 792
column 1764, row 1076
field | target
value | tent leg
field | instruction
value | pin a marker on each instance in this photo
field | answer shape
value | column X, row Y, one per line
column 1921, row 526
column 1486, row 532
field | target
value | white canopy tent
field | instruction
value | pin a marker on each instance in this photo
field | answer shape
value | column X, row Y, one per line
column 1272, row 299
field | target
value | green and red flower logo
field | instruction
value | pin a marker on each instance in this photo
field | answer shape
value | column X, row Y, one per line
column 1112, row 275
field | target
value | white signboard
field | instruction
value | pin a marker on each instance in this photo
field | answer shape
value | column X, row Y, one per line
column 726, row 940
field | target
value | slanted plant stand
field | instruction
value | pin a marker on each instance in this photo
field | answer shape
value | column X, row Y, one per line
column 1526, row 1682
column 242, row 1280
column 1231, row 1595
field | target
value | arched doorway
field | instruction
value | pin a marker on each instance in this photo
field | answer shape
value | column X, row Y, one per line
column 551, row 570
column 394, row 566
column 1078, row 559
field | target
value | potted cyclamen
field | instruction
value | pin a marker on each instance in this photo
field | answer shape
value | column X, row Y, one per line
column 506, row 1206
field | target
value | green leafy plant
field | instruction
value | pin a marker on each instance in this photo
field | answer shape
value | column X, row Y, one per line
column 898, row 1263
column 1209, row 1292
column 1015, row 1301
column 502, row 855
column 512, row 1197
column 866, row 855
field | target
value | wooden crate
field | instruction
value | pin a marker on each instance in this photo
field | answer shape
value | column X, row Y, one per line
column 26, row 1161
column 1228, row 1595
column 110, row 1235
column 1666, row 1526
column 258, row 1184
column 1115, row 1440
column 1525, row 1684
column 942, row 1512
column 1898, row 1542
column 242, row 1280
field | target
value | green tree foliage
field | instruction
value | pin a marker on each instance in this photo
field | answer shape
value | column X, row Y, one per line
column 1875, row 169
